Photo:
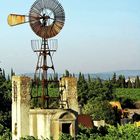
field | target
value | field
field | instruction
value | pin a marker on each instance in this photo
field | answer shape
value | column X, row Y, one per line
column 52, row 91
column 129, row 93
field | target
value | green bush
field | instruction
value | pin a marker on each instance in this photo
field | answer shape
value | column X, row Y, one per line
column 125, row 132
column 1, row 128
column 100, row 110
column 65, row 137
column 128, row 93
column 32, row 138
column 6, row 135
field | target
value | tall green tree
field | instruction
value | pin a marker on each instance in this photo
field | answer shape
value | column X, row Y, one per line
column 89, row 78
column 137, row 82
column 3, row 74
column 108, row 90
column 114, row 79
column 5, row 102
column 67, row 73
column 103, row 89
column 121, row 81
column 91, row 89
column 82, row 87
column 12, row 73
column 129, row 84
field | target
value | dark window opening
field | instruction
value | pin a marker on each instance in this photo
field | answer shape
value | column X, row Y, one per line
column 66, row 128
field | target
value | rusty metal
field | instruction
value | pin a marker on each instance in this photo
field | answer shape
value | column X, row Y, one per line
column 44, row 53
column 46, row 18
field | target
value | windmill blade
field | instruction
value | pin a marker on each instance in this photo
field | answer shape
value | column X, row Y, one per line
column 14, row 19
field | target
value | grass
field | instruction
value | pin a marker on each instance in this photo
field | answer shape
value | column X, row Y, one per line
column 52, row 91
column 128, row 93
column 53, row 100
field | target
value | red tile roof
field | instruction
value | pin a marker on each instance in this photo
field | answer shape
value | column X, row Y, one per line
column 85, row 120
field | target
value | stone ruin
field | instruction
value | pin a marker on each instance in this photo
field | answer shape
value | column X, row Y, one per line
column 43, row 123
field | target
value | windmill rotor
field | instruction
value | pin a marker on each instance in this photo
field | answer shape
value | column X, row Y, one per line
column 46, row 18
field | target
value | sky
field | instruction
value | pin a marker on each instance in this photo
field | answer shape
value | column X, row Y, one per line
column 98, row 36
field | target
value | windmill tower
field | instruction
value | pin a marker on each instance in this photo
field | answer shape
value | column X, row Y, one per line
column 46, row 18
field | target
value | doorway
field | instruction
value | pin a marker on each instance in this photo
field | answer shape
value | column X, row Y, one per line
column 66, row 128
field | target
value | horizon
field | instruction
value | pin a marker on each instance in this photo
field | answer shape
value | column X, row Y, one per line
column 101, row 72
column 85, row 73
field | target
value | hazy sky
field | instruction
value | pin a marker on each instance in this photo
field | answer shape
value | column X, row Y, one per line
column 98, row 36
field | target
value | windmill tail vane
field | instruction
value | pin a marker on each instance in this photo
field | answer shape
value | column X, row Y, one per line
column 16, row 19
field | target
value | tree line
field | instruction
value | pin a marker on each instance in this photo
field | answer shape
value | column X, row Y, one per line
column 122, row 82
column 5, row 105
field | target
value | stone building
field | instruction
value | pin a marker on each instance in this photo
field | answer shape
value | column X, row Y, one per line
column 39, row 122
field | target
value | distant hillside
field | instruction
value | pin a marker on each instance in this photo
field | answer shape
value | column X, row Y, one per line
column 126, row 73
column 104, row 75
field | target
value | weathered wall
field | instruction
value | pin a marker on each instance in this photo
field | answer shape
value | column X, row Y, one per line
column 39, row 122
column 68, row 86
column 20, row 106
column 47, row 123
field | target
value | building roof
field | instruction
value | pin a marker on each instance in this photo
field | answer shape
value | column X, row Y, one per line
column 85, row 120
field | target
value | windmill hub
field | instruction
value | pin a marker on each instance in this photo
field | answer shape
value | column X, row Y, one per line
column 47, row 20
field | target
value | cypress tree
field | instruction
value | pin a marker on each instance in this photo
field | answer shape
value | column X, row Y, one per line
column 137, row 82
column 12, row 73
column 82, row 87
column 3, row 74
column 123, row 84
column 129, row 84
column 8, row 78
column 67, row 74
column 89, row 78
column 113, row 80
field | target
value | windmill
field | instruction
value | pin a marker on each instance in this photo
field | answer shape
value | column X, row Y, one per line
column 46, row 19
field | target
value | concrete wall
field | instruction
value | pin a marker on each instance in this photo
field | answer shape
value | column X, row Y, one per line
column 20, row 106
column 47, row 123
column 68, row 88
